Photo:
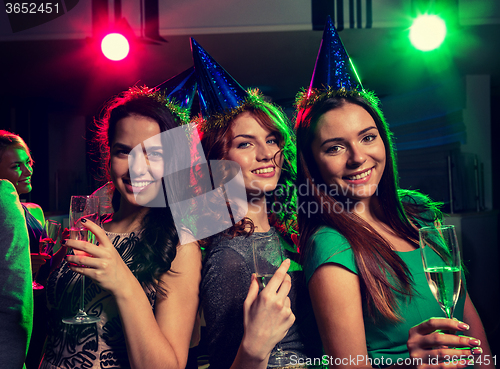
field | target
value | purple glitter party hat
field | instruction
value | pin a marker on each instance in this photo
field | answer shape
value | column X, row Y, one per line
column 218, row 91
column 333, row 67
column 181, row 88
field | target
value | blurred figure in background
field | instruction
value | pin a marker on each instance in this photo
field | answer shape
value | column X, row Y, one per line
column 16, row 296
column 16, row 166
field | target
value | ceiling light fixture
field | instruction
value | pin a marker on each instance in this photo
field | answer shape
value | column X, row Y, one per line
column 427, row 32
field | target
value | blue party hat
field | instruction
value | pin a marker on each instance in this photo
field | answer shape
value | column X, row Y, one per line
column 334, row 69
column 334, row 74
column 180, row 88
column 219, row 93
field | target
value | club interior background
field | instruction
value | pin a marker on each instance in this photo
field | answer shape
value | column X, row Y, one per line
column 442, row 105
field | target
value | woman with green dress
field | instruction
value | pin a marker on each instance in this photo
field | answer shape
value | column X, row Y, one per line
column 359, row 234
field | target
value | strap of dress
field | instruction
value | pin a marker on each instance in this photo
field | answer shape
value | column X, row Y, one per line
column 35, row 229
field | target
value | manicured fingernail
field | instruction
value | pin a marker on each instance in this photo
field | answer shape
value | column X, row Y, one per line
column 474, row 342
column 463, row 326
column 84, row 220
column 476, row 351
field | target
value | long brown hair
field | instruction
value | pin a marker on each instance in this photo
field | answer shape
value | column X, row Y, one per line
column 216, row 142
column 156, row 249
column 374, row 256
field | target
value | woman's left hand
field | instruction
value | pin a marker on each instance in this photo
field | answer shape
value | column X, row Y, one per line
column 103, row 263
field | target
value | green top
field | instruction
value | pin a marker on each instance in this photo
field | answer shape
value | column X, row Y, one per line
column 383, row 338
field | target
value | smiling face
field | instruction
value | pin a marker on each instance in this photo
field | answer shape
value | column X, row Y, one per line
column 349, row 151
column 16, row 166
column 254, row 148
column 137, row 171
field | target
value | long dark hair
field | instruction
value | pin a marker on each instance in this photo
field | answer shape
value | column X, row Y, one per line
column 157, row 247
column 216, row 142
column 374, row 256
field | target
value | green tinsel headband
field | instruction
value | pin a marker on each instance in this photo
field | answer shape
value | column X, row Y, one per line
column 182, row 113
column 307, row 98
column 220, row 120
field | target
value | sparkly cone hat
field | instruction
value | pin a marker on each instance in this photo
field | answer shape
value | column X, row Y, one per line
column 180, row 88
column 218, row 91
column 333, row 67
column 333, row 73
column 221, row 97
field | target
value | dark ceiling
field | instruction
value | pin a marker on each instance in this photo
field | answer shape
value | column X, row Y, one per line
column 73, row 74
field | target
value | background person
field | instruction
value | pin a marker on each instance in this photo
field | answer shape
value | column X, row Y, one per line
column 16, row 165
column 16, row 294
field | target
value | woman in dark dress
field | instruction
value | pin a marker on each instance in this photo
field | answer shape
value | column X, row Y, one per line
column 243, row 325
column 142, row 284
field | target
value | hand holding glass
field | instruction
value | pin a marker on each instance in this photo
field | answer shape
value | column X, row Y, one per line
column 442, row 265
column 46, row 244
column 268, row 256
column 82, row 207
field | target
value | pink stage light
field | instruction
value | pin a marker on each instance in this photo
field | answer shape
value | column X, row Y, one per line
column 115, row 46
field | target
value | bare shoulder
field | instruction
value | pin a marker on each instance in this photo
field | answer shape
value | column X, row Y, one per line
column 188, row 256
column 176, row 312
column 184, row 277
column 33, row 207
column 187, row 262
column 36, row 211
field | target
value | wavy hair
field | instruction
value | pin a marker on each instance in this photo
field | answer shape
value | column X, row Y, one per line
column 9, row 139
column 374, row 256
column 157, row 247
column 216, row 142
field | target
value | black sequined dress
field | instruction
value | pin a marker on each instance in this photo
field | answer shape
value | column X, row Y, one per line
column 96, row 346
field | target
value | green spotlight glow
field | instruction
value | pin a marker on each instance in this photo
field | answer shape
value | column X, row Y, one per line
column 427, row 32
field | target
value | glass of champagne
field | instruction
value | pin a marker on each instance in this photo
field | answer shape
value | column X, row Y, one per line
column 268, row 256
column 82, row 207
column 46, row 244
column 442, row 265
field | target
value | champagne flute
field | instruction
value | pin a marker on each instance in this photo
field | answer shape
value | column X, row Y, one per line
column 82, row 207
column 442, row 265
column 268, row 256
column 46, row 244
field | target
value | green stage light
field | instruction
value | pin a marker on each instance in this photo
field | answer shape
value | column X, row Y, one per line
column 427, row 32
